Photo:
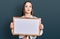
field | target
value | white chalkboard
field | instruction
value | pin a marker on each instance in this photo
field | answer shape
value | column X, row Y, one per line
column 24, row 26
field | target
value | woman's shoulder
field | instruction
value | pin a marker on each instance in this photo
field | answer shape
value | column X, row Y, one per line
column 18, row 17
column 36, row 17
column 21, row 16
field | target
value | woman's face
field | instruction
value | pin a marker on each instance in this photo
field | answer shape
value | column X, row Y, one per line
column 28, row 8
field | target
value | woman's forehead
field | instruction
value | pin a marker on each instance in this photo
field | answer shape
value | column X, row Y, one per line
column 28, row 3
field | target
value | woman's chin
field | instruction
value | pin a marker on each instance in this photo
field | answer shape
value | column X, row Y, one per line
column 28, row 12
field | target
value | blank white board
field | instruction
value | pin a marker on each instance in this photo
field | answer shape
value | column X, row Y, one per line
column 24, row 26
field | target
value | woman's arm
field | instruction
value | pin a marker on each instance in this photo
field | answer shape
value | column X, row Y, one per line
column 41, row 27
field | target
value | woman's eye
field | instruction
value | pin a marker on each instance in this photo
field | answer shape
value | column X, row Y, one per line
column 25, row 6
column 30, row 6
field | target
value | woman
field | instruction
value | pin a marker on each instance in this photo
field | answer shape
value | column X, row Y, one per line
column 27, row 11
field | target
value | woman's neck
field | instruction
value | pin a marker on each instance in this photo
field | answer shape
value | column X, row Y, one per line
column 27, row 15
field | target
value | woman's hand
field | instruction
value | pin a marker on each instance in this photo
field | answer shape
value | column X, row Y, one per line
column 41, row 27
column 12, row 27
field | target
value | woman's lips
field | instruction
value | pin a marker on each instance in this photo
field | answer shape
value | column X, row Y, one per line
column 28, row 10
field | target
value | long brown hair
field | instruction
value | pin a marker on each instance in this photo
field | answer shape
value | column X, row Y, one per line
column 23, row 11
